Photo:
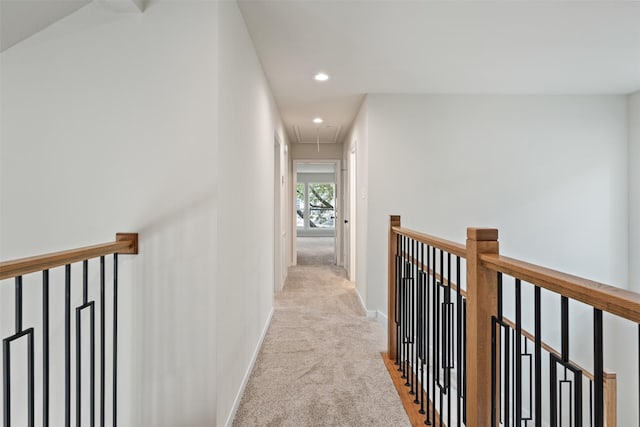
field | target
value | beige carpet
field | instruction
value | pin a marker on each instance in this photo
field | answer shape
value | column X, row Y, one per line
column 315, row 250
column 320, row 363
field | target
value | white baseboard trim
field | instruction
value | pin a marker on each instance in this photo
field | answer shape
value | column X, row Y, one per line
column 370, row 313
column 245, row 380
column 382, row 319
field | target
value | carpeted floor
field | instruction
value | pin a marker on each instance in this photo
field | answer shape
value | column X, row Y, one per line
column 320, row 363
column 315, row 250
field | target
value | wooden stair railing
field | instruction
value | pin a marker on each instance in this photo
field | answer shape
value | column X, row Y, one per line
column 452, row 352
column 125, row 243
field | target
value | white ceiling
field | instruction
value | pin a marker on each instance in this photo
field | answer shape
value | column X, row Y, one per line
column 20, row 19
column 419, row 46
column 504, row 47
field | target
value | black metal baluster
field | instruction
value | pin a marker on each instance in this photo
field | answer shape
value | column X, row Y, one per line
column 102, row 342
column 403, row 308
column 85, row 281
column 442, row 343
column 6, row 350
column 598, row 368
column 91, row 306
column 495, row 403
column 517, row 342
column 67, row 345
column 564, row 322
column 538, row 357
column 530, row 380
column 45, row 348
column 78, row 367
column 434, row 335
column 464, row 359
column 449, row 338
column 6, row 381
column 513, row 376
column 458, row 343
column 423, row 322
column 500, row 296
column 427, row 419
column 79, row 344
column 92, row 368
column 397, row 299
column 18, row 303
column 415, row 318
column 575, row 416
column 30, row 379
column 399, row 308
column 411, row 313
column 405, row 319
column 6, row 347
column 418, row 339
column 407, row 312
column 553, row 392
column 115, row 339
column 591, row 403
column 499, row 375
column 507, row 377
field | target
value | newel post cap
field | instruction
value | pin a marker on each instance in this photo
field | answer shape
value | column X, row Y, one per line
column 482, row 234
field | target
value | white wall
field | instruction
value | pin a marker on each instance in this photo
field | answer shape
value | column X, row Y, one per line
column 634, row 191
column 107, row 126
column 245, row 251
column 547, row 171
column 110, row 123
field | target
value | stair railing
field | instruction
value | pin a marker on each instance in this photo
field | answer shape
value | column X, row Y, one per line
column 455, row 357
column 125, row 243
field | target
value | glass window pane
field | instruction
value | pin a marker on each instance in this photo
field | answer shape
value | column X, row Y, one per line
column 321, row 205
column 300, row 205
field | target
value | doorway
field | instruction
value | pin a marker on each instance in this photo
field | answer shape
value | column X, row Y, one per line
column 316, row 212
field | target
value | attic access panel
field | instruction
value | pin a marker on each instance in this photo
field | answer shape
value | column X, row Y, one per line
column 310, row 134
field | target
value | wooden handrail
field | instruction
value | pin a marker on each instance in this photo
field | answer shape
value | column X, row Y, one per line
column 607, row 298
column 446, row 245
column 125, row 243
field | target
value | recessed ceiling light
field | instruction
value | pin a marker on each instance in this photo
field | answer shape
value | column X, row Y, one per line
column 317, row 120
column 321, row 77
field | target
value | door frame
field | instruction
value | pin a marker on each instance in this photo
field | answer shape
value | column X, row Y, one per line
column 337, row 250
column 280, row 213
column 352, row 191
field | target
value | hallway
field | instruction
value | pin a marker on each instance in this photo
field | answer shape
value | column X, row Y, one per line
column 320, row 363
column 315, row 250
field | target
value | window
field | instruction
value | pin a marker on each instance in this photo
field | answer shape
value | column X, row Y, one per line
column 301, row 196
column 321, row 205
column 315, row 206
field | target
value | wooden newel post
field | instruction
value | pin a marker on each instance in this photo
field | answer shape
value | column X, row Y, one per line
column 482, row 298
column 394, row 221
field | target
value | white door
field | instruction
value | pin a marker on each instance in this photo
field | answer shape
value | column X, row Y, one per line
column 351, row 224
column 279, row 216
column 277, row 250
